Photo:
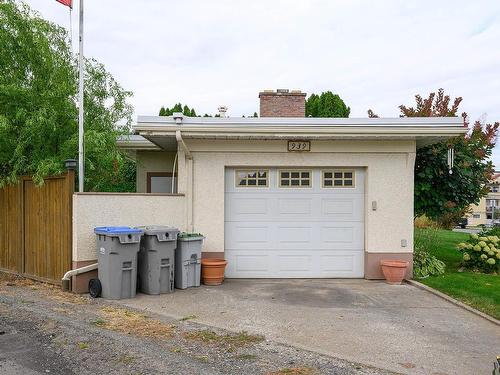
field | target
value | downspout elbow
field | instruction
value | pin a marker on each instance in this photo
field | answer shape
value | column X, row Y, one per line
column 180, row 140
column 67, row 276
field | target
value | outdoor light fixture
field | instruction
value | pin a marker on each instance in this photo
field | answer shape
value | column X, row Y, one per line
column 70, row 164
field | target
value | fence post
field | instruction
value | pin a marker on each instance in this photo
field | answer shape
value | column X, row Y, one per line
column 71, row 165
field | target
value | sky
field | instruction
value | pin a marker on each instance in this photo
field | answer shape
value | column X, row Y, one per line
column 374, row 54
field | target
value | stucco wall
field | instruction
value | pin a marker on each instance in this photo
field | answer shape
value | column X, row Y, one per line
column 92, row 210
column 389, row 182
column 152, row 161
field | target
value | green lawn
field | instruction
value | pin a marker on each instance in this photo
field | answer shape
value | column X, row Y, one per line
column 477, row 290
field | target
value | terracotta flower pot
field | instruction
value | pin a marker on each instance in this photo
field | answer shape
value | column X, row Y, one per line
column 394, row 270
column 212, row 271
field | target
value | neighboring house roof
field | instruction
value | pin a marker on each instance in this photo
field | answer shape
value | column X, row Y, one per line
column 424, row 130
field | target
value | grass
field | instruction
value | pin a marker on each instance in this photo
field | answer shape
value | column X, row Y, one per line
column 246, row 357
column 126, row 359
column 230, row 341
column 475, row 289
column 83, row 345
column 131, row 322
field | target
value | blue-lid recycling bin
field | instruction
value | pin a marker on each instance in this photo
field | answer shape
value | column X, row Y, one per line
column 117, row 249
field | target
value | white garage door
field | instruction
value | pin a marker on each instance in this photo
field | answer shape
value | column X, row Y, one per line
column 285, row 223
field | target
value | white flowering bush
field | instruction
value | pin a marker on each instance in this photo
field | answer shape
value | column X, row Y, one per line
column 481, row 253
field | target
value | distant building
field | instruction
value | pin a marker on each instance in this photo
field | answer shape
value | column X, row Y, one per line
column 488, row 208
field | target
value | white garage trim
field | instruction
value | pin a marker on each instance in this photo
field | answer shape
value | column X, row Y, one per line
column 294, row 232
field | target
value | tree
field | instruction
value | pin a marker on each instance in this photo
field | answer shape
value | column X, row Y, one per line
column 326, row 105
column 185, row 110
column 38, row 112
column 438, row 194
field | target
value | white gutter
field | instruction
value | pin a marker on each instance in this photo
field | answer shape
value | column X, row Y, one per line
column 310, row 128
column 288, row 122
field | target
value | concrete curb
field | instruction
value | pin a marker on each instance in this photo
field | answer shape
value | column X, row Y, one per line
column 453, row 300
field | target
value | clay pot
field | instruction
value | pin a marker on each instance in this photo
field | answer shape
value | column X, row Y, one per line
column 394, row 270
column 212, row 271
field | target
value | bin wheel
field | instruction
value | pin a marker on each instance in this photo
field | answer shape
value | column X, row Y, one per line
column 95, row 288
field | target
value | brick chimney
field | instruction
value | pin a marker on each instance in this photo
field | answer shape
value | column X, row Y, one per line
column 282, row 103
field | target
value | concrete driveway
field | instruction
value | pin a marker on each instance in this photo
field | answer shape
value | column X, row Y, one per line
column 399, row 328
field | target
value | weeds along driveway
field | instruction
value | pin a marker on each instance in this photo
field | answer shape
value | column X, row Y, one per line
column 44, row 330
column 400, row 328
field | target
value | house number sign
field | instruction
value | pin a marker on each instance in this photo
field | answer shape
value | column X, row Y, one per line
column 295, row 146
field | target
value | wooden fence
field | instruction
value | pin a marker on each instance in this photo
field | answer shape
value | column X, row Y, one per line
column 36, row 227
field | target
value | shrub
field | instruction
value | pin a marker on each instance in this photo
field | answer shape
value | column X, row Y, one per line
column 425, row 264
column 481, row 253
column 423, row 222
column 495, row 231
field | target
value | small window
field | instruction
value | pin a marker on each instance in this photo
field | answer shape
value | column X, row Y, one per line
column 476, row 216
column 295, row 179
column 252, row 178
column 338, row 178
column 161, row 182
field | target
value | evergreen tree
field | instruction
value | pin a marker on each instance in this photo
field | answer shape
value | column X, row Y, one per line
column 327, row 104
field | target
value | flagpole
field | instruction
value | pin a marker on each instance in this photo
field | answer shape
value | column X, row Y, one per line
column 81, row 154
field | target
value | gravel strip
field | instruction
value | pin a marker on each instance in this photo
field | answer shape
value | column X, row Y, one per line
column 48, row 331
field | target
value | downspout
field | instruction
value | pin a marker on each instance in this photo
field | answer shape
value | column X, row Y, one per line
column 173, row 172
column 67, row 276
column 190, row 172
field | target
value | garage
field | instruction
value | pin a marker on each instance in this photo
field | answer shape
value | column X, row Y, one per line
column 294, row 222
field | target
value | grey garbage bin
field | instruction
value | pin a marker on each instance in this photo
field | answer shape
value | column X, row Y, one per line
column 188, row 260
column 156, row 261
column 117, row 249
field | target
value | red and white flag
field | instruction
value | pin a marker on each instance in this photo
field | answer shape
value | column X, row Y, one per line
column 68, row 3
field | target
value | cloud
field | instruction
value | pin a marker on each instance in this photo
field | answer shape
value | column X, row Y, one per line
column 374, row 54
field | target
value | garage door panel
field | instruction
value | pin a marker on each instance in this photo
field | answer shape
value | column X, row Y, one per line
column 294, row 206
column 294, row 263
column 248, row 206
column 344, row 265
column 348, row 207
column 245, row 264
column 335, row 235
column 251, row 234
column 294, row 232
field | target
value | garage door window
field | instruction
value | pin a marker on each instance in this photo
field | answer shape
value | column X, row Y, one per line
column 338, row 178
column 295, row 179
column 252, row 178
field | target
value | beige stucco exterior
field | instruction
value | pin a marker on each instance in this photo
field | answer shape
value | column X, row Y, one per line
column 91, row 210
column 389, row 182
column 206, row 147
column 152, row 161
